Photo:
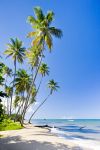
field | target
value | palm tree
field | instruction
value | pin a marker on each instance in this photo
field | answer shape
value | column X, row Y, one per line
column 22, row 84
column 43, row 31
column 33, row 55
column 44, row 69
column 53, row 87
column 22, row 81
column 17, row 51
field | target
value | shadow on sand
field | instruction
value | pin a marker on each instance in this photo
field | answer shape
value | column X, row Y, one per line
column 16, row 143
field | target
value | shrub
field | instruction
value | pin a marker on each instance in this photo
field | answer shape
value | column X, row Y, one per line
column 8, row 124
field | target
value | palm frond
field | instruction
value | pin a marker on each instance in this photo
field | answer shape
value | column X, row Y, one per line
column 48, row 40
column 49, row 17
column 39, row 14
column 56, row 32
column 32, row 20
column 36, row 41
column 31, row 34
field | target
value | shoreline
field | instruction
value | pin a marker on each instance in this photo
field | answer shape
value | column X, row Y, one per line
column 35, row 138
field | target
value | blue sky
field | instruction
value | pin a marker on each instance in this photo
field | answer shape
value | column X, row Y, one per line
column 75, row 59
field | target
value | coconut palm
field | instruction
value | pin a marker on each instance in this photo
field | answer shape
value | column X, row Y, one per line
column 33, row 55
column 43, row 31
column 44, row 69
column 17, row 51
column 22, row 84
column 53, row 86
column 22, row 81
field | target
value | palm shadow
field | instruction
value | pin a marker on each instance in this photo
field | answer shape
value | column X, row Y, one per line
column 16, row 143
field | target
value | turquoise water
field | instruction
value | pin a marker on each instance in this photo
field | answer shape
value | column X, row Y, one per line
column 83, row 129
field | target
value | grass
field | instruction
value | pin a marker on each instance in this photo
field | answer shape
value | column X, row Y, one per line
column 8, row 124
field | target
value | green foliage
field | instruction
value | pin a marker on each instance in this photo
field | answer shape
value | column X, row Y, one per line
column 1, row 73
column 2, row 94
column 8, row 124
column 18, row 117
column 43, row 31
column 15, row 50
column 24, row 85
column 53, row 86
column 44, row 69
column 22, row 81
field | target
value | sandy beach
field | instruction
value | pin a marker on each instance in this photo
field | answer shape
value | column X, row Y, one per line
column 34, row 138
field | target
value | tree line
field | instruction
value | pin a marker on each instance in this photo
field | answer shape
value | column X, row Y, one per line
column 23, row 89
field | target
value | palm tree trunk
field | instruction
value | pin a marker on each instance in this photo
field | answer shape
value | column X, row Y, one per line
column 37, row 90
column 26, row 103
column 32, row 72
column 37, row 70
column 39, row 85
column 13, row 85
column 39, row 107
column 17, row 112
column 20, row 106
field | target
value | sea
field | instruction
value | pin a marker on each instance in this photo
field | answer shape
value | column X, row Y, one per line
column 83, row 132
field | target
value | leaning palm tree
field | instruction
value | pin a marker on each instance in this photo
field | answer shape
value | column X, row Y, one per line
column 22, row 84
column 17, row 51
column 42, row 33
column 33, row 55
column 53, row 87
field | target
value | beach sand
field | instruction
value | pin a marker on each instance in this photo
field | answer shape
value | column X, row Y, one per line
column 34, row 138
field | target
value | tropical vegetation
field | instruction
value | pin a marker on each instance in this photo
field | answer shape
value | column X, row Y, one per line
column 19, row 85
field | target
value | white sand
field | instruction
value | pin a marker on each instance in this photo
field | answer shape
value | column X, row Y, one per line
column 33, row 138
